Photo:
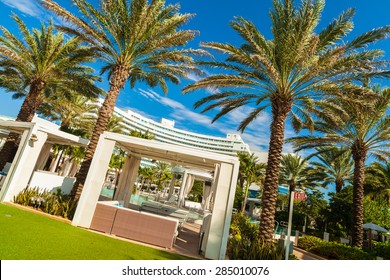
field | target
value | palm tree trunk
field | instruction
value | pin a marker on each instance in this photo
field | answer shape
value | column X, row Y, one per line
column 359, row 157
column 26, row 114
column 280, row 111
column 117, row 82
column 339, row 185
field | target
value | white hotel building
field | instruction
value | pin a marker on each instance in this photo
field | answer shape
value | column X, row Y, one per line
column 165, row 131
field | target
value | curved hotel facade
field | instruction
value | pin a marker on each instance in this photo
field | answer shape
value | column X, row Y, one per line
column 165, row 131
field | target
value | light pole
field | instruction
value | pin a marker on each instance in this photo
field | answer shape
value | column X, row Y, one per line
column 290, row 214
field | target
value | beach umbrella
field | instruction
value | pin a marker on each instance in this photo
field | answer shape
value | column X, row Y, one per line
column 374, row 227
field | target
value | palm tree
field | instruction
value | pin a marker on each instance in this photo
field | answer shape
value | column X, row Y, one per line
column 377, row 180
column 137, row 41
column 249, row 172
column 334, row 166
column 41, row 62
column 293, row 173
column 140, row 134
column 162, row 171
column 115, row 124
column 291, row 74
column 363, row 131
column 75, row 112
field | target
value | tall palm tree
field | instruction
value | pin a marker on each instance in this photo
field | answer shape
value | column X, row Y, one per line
column 137, row 41
column 291, row 74
column 364, row 131
column 40, row 62
column 334, row 166
column 377, row 180
column 293, row 173
column 250, row 172
column 75, row 112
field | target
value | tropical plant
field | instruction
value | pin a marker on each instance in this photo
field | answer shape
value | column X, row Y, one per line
column 75, row 112
column 308, row 242
column 53, row 203
column 377, row 211
column 313, row 209
column 332, row 250
column 377, row 180
column 140, row 134
column 39, row 63
column 137, row 41
column 250, row 171
column 293, row 172
column 381, row 249
column 293, row 74
column 363, row 131
column 162, row 171
column 245, row 244
column 338, row 214
column 115, row 124
column 148, row 176
column 334, row 166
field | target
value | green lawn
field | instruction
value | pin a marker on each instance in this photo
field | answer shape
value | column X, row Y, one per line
column 30, row 236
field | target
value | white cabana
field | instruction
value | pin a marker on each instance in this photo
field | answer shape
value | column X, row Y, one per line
column 225, row 170
column 35, row 143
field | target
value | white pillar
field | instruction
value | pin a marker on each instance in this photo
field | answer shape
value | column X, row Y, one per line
column 181, row 193
column 120, row 187
column 206, row 197
column 130, row 180
column 54, row 163
column 217, row 235
column 172, row 186
column 43, row 157
column 188, row 186
column 66, row 167
column 93, row 183
column 23, row 164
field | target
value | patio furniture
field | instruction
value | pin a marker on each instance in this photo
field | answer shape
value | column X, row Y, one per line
column 140, row 226
column 165, row 210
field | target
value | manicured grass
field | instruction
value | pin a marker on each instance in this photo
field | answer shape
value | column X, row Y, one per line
column 31, row 236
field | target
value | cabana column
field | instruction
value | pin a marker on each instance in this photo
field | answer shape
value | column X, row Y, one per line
column 93, row 183
column 127, row 180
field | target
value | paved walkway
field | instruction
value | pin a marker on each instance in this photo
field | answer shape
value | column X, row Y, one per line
column 304, row 255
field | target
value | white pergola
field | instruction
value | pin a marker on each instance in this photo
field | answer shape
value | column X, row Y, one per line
column 36, row 140
column 225, row 169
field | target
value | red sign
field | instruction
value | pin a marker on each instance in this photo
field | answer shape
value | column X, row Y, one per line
column 300, row 196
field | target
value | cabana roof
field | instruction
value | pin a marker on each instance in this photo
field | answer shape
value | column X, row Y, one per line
column 180, row 155
column 55, row 136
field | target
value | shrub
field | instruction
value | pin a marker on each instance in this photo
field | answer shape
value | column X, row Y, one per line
column 245, row 249
column 244, row 242
column 53, row 203
column 308, row 242
column 332, row 250
column 381, row 249
column 338, row 251
column 27, row 197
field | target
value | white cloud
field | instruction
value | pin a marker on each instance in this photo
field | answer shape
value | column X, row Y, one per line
column 29, row 7
column 194, row 77
column 256, row 134
column 180, row 112
column 142, row 113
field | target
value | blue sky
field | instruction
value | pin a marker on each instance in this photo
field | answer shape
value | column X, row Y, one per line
column 212, row 20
